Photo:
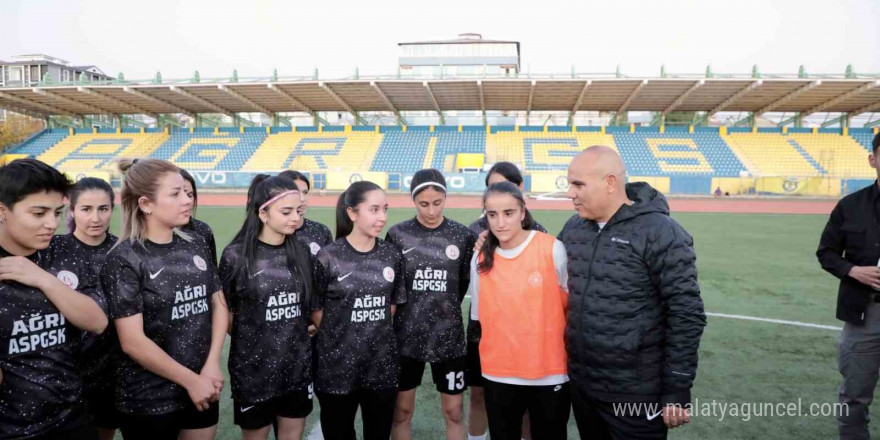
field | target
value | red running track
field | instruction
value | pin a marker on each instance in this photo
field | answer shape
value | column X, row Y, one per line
column 723, row 205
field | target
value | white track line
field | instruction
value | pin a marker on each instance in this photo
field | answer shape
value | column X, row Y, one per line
column 776, row 321
column 759, row 319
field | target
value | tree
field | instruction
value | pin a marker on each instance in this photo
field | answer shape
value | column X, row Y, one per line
column 17, row 128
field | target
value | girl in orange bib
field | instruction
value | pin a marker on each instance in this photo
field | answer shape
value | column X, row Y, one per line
column 519, row 295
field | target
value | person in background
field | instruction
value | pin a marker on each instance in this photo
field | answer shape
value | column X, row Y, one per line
column 312, row 234
column 90, row 208
column 195, row 226
column 849, row 249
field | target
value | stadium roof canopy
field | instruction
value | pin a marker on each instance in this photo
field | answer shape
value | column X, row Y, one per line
column 757, row 95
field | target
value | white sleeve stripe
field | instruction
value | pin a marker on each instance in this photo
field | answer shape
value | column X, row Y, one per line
column 473, row 289
column 560, row 261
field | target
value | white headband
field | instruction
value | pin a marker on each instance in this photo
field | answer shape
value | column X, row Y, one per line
column 276, row 198
column 420, row 186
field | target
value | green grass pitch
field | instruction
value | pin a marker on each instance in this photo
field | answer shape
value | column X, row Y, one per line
column 756, row 265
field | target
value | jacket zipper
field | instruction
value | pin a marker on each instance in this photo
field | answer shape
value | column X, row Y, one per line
column 590, row 267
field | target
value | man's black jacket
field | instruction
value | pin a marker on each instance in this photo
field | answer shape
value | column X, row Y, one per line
column 852, row 238
column 635, row 315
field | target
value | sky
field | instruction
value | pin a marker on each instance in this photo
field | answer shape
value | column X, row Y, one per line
column 214, row 37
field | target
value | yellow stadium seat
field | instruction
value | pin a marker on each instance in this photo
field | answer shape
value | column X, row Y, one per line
column 770, row 154
column 334, row 151
column 83, row 152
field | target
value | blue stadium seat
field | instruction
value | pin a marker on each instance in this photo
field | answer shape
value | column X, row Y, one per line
column 41, row 142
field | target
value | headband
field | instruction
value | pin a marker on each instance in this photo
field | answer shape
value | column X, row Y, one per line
column 276, row 198
column 420, row 186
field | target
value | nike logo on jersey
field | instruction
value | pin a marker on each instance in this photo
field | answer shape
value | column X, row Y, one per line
column 408, row 250
column 343, row 277
column 247, row 409
column 654, row 416
column 558, row 387
column 154, row 275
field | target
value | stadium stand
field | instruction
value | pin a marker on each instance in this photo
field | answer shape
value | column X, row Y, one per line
column 41, row 142
column 419, row 147
column 772, row 154
column 312, row 150
column 95, row 151
column 204, row 149
column 647, row 151
column 702, row 153
column 863, row 136
column 839, row 156
column 539, row 151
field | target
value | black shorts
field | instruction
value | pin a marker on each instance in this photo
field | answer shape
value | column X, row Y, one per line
column 449, row 375
column 102, row 407
column 167, row 426
column 77, row 428
column 338, row 413
column 474, row 330
column 314, row 341
column 474, row 375
column 82, row 432
column 293, row 405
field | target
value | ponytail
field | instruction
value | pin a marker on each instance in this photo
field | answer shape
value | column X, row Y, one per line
column 353, row 196
column 255, row 182
column 141, row 179
column 344, row 224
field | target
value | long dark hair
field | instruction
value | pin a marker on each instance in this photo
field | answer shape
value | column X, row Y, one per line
column 250, row 195
column 491, row 243
column 507, row 170
column 353, row 196
column 429, row 176
column 85, row 184
column 264, row 188
column 189, row 178
column 296, row 175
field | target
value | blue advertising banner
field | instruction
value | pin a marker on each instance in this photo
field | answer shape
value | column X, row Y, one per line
column 455, row 182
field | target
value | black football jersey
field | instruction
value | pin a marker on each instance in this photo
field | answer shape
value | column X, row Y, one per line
column 429, row 326
column 356, row 344
column 98, row 352
column 203, row 230
column 171, row 285
column 271, row 352
column 42, row 387
column 314, row 236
